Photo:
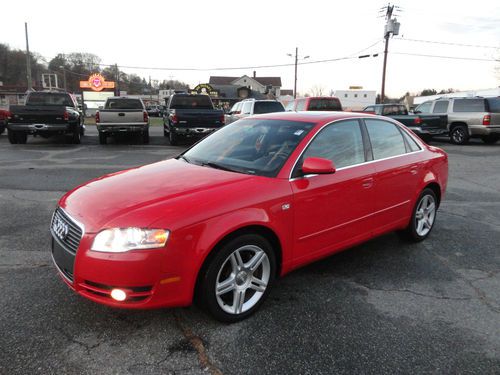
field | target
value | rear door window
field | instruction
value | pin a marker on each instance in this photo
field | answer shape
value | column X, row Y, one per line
column 267, row 107
column 424, row 108
column 441, row 106
column 385, row 138
column 246, row 108
column 324, row 104
column 469, row 105
column 494, row 105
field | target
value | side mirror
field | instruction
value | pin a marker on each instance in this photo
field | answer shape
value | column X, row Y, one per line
column 317, row 166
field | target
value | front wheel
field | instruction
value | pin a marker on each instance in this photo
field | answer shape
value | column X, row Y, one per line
column 423, row 217
column 459, row 135
column 237, row 279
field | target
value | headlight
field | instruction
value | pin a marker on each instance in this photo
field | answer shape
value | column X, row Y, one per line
column 119, row 240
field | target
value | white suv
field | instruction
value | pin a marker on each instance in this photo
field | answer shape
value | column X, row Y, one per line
column 249, row 107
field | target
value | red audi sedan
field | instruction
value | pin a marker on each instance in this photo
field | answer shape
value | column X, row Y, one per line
column 251, row 202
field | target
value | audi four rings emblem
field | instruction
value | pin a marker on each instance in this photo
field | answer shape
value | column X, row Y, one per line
column 60, row 228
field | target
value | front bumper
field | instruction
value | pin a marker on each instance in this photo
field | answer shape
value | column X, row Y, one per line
column 151, row 278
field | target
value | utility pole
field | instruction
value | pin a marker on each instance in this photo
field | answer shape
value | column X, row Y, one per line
column 296, row 63
column 391, row 28
column 28, row 61
column 117, row 86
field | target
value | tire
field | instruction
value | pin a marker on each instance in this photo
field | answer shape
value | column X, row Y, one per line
column 490, row 139
column 76, row 137
column 103, row 139
column 165, row 132
column 21, row 137
column 2, row 129
column 242, row 285
column 12, row 137
column 145, row 137
column 423, row 217
column 173, row 138
column 459, row 135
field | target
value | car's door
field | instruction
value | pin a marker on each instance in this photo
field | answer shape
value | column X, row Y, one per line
column 398, row 170
column 332, row 211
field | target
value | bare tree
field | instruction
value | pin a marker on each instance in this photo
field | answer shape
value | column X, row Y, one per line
column 317, row 90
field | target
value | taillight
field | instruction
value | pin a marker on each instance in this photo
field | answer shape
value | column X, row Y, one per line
column 236, row 112
column 174, row 119
column 487, row 120
column 145, row 116
column 417, row 121
column 97, row 117
column 66, row 116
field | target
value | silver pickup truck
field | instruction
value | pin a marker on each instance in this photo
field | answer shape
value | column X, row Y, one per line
column 122, row 115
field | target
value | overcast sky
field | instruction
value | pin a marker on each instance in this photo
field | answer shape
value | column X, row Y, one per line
column 211, row 34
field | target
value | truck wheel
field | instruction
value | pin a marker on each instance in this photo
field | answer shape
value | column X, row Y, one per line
column 490, row 139
column 173, row 138
column 76, row 137
column 12, row 137
column 21, row 137
column 459, row 135
column 145, row 137
column 103, row 139
column 165, row 132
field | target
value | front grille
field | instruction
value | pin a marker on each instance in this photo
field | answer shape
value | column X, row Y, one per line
column 134, row 293
column 70, row 239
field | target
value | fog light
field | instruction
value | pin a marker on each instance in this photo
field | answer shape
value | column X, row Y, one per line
column 118, row 295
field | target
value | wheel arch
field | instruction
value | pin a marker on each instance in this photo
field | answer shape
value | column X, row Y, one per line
column 436, row 188
column 458, row 123
column 258, row 229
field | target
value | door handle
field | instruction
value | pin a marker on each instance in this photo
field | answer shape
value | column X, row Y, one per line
column 414, row 170
column 367, row 183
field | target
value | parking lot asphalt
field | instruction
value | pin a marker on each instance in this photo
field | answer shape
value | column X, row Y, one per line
column 383, row 307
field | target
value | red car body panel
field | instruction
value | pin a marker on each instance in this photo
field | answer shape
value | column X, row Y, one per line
column 201, row 206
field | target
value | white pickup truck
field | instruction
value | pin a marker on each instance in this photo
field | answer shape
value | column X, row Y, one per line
column 122, row 115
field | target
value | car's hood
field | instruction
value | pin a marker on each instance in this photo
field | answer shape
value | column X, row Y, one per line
column 136, row 196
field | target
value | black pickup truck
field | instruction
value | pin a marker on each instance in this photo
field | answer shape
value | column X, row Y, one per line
column 425, row 126
column 190, row 116
column 46, row 113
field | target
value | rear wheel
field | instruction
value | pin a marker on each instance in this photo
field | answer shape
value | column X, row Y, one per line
column 459, row 135
column 76, row 137
column 490, row 139
column 12, row 136
column 145, row 136
column 237, row 279
column 173, row 138
column 103, row 139
column 423, row 217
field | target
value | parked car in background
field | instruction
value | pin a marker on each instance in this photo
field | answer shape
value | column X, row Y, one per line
column 249, row 203
column 4, row 118
column 320, row 103
column 154, row 111
column 46, row 113
column 190, row 116
column 122, row 115
column 474, row 117
column 425, row 126
column 250, row 107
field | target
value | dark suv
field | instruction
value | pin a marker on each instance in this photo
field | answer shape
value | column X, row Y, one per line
column 474, row 117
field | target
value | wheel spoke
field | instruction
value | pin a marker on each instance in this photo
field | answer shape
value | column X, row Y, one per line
column 225, row 286
column 238, row 300
column 258, row 285
column 431, row 207
column 236, row 261
column 256, row 261
column 420, row 226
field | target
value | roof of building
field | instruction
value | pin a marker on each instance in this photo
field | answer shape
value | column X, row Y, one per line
column 223, row 80
column 286, row 92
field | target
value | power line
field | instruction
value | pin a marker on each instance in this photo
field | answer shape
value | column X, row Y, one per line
column 446, row 43
column 443, row 57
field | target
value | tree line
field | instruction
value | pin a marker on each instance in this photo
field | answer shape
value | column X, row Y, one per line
column 71, row 69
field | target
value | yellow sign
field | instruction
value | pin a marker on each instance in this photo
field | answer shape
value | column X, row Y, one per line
column 97, row 82
column 355, row 87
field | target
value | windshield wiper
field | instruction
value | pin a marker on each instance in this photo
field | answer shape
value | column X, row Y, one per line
column 185, row 159
column 212, row 164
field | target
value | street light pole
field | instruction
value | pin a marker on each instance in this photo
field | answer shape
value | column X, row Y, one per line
column 295, row 82
column 382, row 95
column 296, row 63
column 28, row 61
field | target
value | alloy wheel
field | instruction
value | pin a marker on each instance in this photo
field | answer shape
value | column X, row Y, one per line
column 425, row 215
column 242, row 279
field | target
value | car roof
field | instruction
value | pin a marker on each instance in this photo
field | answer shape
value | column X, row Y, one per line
column 314, row 116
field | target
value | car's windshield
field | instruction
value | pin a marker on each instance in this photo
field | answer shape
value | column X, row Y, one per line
column 267, row 107
column 123, row 104
column 43, row 98
column 251, row 146
column 325, row 104
column 191, row 102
